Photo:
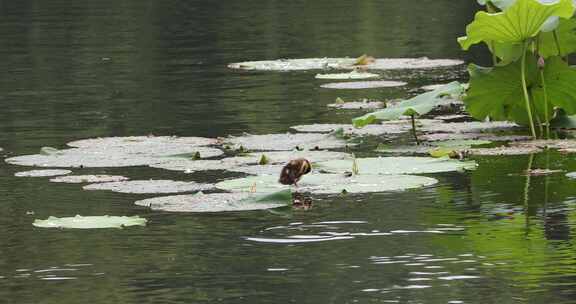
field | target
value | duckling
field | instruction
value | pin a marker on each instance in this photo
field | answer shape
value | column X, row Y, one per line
column 293, row 171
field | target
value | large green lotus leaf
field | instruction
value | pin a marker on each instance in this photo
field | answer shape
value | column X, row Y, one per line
column 507, row 52
column 90, row 222
column 330, row 183
column 418, row 105
column 521, row 21
column 501, row 4
column 566, row 33
column 560, row 79
column 397, row 165
column 497, row 92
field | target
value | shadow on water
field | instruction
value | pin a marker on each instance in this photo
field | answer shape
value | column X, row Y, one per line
column 81, row 69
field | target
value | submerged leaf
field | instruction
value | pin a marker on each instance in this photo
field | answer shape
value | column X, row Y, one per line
column 90, row 222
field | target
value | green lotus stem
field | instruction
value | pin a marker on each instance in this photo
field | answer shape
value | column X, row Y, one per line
column 494, row 58
column 414, row 129
column 527, row 188
column 557, row 42
column 546, row 117
column 525, row 89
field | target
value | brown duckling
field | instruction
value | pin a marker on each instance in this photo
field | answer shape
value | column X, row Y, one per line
column 293, row 171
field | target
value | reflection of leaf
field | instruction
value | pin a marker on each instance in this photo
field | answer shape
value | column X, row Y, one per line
column 519, row 22
column 566, row 33
column 418, row 105
column 497, row 92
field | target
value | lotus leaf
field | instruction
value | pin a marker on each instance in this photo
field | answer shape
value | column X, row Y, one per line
column 397, row 165
column 343, row 63
column 259, row 169
column 417, row 106
column 108, row 142
column 351, row 75
column 78, row 179
column 113, row 156
column 566, row 32
column 497, row 92
column 149, row 186
column 360, row 85
column 218, row 202
column 375, row 129
column 571, row 175
column 42, row 173
column 521, row 21
column 560, row 87
column 90, row 222
column 190, row 166
column 504, row 150
column 357, row 105
column 330, row 183
column 287, row 142
column 469, row 127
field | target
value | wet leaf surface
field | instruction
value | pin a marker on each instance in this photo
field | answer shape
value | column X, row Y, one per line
column 350, row 75
column 360, row 85
column 397, row 165
column 90, row 222
column 149, row 186
column 287, row 142
column 79, row 179
column 42, row 173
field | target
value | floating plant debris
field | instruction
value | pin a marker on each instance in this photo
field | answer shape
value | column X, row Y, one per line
column 287, row 142
column 397, row 165
column 357, row 105
column 90, row 222
column 79, row 179
column 137, row 154
column 149, row 186
column 350, row 75
column 218, row 202
column 42, row 173
column 329, row 183
column 348, row 129
column 361, row 85
column 343, row 64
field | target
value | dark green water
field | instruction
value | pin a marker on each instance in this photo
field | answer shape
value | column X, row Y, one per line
column 77, row 69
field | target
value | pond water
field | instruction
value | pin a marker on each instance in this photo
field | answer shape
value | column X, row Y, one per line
column 72, row 70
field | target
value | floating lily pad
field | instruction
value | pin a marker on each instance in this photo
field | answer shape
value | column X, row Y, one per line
column 120, row 156
column 571, row 175
column 462, row 143
column 433, row 87
column 343, row 63
column 541, row 172
column 357, row 105
column 349, row 129
column 217, row 202
column 470, row 127
column 351, row 75
column 471, row 136
column 259, row 169
column 397, row 165
column 504, row 150
column 78, row 179
column 236, row 163
column 329, row 183
column 562, row 145
column 42, row 173
column 287, row 142
column 360, row 85
column 123, row 142
column 90, row 222
column 149, row 186
column 405, row 150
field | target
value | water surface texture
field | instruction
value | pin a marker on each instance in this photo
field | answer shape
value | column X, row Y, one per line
column 86, row 68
